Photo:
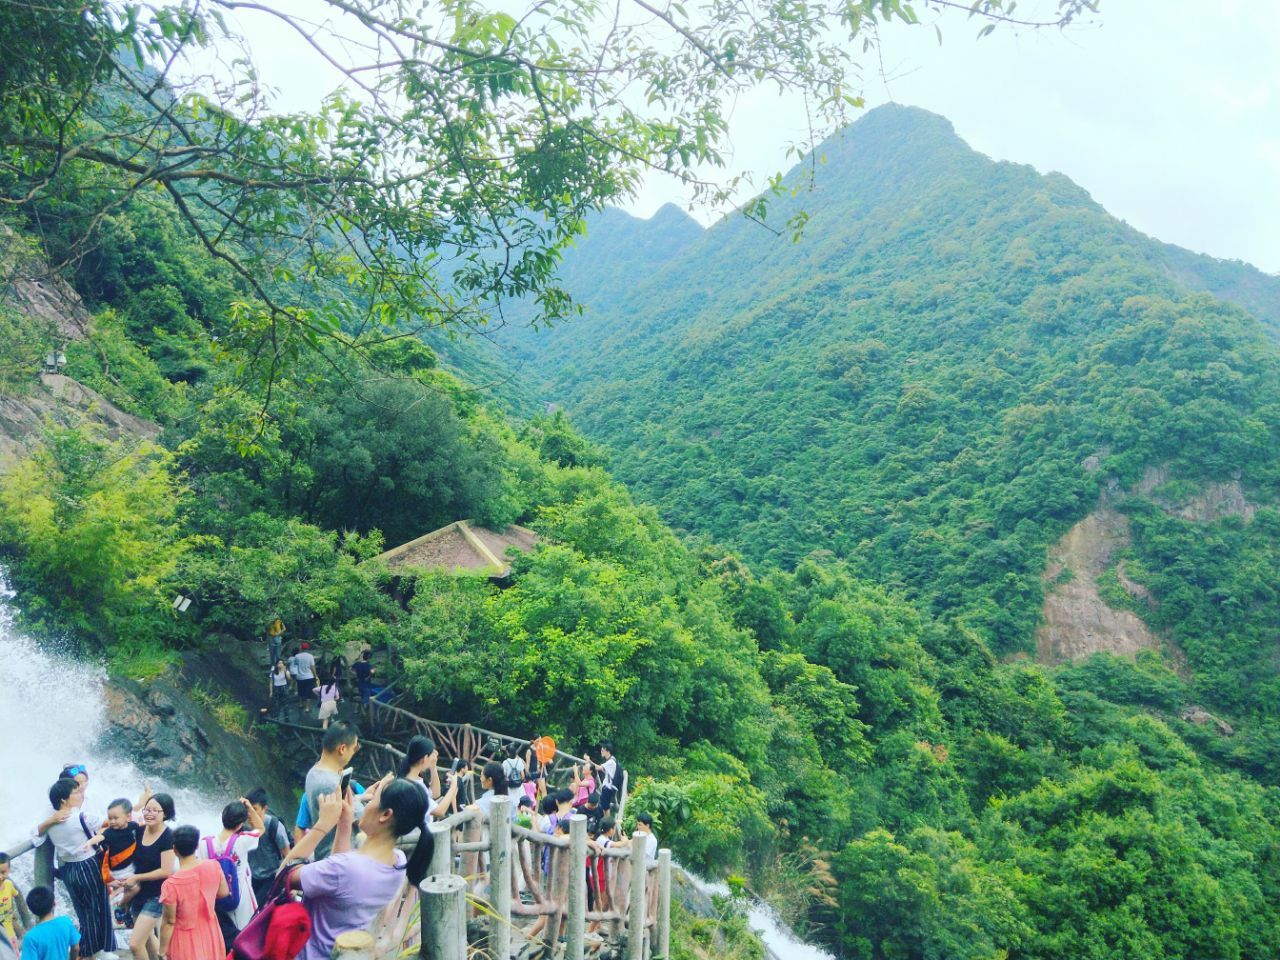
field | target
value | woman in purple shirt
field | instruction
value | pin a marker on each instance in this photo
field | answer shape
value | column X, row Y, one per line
column 346, row 890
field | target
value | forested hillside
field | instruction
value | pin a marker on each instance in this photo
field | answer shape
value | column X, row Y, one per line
column 943, row 376
column 889, row 421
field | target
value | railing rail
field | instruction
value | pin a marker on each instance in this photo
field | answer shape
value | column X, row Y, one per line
column 543, row 883
column 529, row 887
column 42, row 871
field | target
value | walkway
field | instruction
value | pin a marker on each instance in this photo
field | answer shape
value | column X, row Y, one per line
column 459, row 909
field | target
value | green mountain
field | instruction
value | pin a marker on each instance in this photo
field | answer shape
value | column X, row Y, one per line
column 966, row 381
column 959, row 363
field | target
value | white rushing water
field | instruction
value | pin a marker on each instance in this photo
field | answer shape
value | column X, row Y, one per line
column 776, row 936
column 52, row 713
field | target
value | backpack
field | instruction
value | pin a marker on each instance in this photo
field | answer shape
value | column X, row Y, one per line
column 615, row 782
column 265, row 857
column 513, row 770
column 278, row 931
column 230, row 869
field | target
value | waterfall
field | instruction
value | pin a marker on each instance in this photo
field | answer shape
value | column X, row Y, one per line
column 780, row 942
column 53, row 712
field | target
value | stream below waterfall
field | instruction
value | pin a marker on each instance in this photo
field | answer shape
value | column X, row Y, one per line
column 779, row 941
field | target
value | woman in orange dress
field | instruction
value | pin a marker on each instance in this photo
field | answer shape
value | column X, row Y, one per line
column 189, row 930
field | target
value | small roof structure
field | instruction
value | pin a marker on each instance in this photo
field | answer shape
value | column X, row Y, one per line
column 461, row 547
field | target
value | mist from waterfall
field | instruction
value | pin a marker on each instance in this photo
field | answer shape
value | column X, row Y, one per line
column 53, row 712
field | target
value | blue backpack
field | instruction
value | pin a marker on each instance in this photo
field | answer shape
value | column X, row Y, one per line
column 230, row 869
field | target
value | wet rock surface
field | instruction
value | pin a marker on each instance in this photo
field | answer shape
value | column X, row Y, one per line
column 175, row 737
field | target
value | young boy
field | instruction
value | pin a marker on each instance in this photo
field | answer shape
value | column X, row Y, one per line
column 13, row 912
column 52, row 938
column 119, row 842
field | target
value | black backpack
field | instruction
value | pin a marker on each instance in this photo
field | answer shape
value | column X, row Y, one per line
column 616, row 783
column 264, row 859
column 519, row 765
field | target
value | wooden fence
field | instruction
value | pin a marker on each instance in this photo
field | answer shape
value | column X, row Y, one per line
column 499, row 890
column 459, row 907
column 473, row 745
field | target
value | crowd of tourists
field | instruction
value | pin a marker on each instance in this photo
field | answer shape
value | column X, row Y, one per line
column 258, row 890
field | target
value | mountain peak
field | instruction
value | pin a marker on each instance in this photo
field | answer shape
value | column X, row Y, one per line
column 669, row 216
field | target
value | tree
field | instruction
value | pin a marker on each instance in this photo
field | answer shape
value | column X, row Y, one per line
column 95, row 523
column 452, row 167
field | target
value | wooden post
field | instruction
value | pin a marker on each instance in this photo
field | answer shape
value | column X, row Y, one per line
column 663, row 946
column 471, row 833
column 636, row 910
column 500, row 877
column 43, row 872
column 442, row 855
column 575, row 935
column 444, row 917
column 353, row 945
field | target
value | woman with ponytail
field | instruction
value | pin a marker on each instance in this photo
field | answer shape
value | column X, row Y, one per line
column 347, row 889
column 420, row 761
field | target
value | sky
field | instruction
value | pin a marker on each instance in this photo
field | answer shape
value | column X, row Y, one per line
column 1166, row 111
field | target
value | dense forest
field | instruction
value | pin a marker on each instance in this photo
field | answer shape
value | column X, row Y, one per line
column 874, row 434
column 946, row 372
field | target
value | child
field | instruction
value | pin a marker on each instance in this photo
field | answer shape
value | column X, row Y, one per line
column 120, row 842
column 13, row 911
column 52, row 938
column 524, row 812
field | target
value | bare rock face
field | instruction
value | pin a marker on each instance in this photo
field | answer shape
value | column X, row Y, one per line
column 28, row 285
column 61, row 400
column 1218, row 499
column 149, row 726
column 50, row 299
column 1202, row 717
column 165, row 730
column 1076, row 620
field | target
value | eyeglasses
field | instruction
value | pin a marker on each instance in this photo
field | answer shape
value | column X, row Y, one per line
column 75, row 771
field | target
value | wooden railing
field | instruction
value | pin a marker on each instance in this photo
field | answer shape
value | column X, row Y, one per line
column 537, row 875
column 42, row 875
column 525, row 888
column 473, row 745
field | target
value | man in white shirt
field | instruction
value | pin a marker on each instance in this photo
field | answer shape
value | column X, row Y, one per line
column 609, row 785
column 304, row 669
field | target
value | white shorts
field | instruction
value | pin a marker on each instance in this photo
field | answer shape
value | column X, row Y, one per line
column 328, row 709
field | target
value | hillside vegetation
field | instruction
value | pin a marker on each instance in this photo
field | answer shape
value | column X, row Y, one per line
column 856, row 748
column 936, row 382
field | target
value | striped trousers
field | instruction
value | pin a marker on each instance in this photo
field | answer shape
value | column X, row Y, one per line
column 83, row 880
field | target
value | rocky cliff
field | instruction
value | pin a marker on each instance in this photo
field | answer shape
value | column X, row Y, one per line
column 29, row 289
column 1077, row 621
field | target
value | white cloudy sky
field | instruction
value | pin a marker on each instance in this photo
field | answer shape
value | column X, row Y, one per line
column 1166, row 111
